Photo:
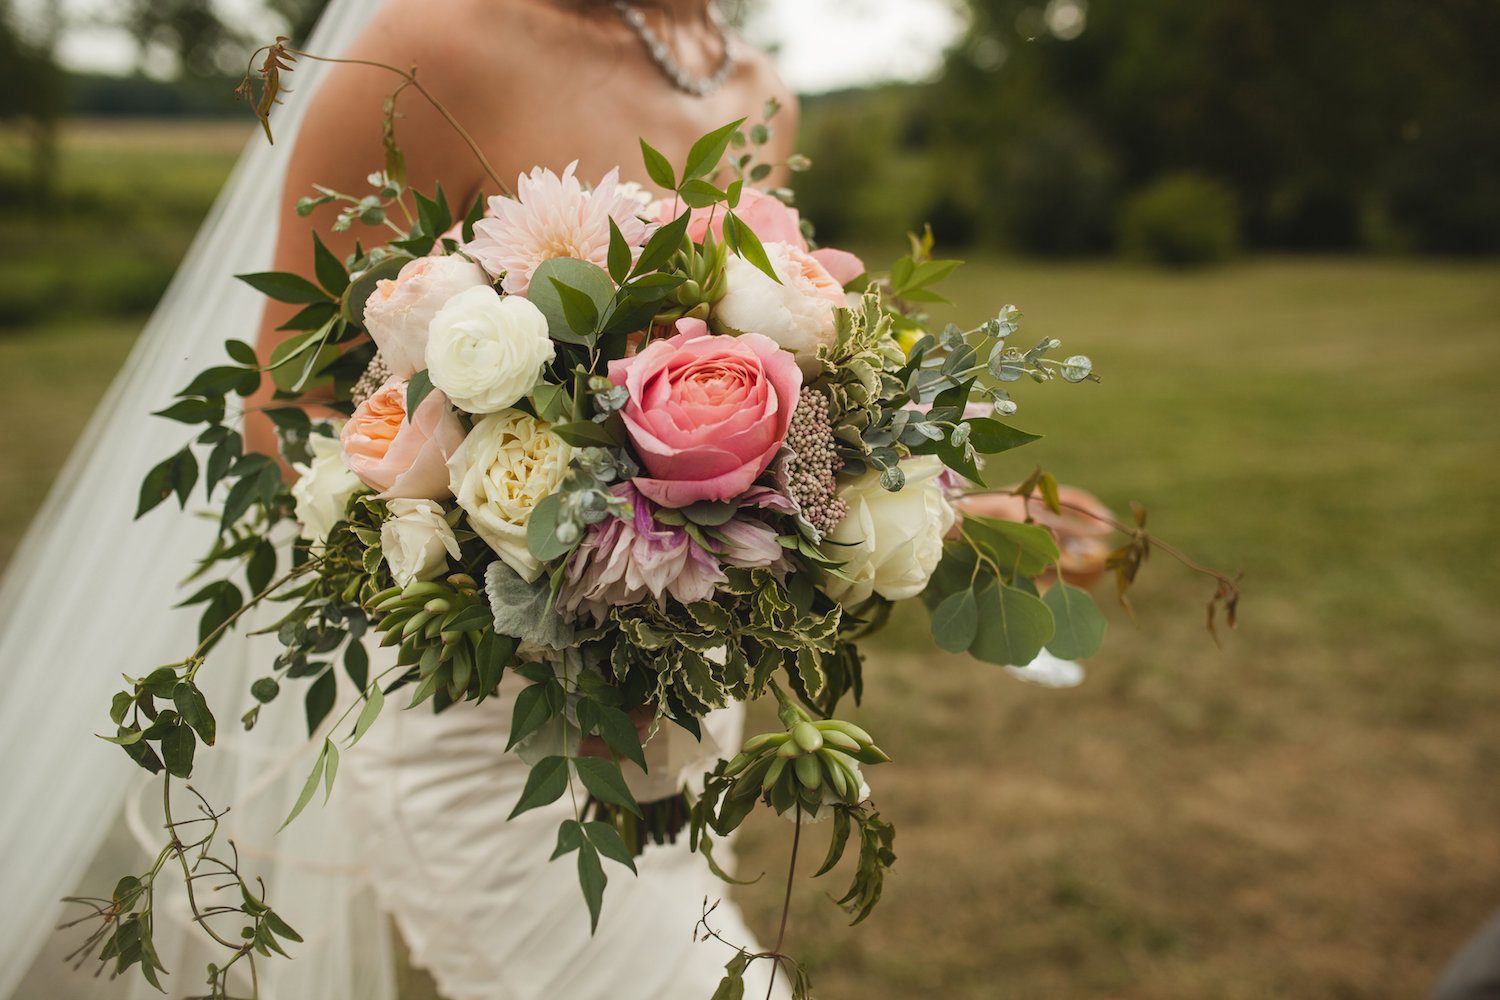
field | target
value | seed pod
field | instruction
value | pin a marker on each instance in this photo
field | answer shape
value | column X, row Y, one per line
column 755, row 743
column 383, row 596
column 808, row 772
column 848, row 729
column 389, row 604
column 415, row 622
column 840, row 740
column 749, row 782
column 778, row 764
column 422, row 588
column 736, row 764
column 836, row 775
column 807, row 737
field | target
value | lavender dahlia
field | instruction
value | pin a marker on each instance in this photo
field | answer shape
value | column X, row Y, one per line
column 626, row 560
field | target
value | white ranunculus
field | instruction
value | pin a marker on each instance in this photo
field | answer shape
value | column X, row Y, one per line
column 507, row 465
column 417, row 540
column 889, row 543
column 323, row 488
column 797, row 313
column 486, row 351
column 400, row 310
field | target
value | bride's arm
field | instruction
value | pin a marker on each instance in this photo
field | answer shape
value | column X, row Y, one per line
column 339, row 146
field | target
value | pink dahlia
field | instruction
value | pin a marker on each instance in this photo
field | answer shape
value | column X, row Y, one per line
column 552, row 217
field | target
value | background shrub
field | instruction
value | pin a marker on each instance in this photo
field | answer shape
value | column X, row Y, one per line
column 1182, row 219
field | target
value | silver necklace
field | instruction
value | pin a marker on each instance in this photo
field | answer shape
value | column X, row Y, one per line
column 662, row 56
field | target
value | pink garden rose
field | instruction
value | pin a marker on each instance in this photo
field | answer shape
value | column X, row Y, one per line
column 706, row 413
column 400, row 457
column 774, row 221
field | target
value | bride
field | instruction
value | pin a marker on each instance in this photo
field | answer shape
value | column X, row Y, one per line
column 418, row 827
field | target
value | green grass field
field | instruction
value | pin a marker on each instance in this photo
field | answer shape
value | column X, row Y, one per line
column 1310, row 812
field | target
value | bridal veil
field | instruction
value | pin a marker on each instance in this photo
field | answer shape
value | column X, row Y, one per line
column 88, row 598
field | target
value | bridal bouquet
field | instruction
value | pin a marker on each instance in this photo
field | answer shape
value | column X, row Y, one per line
column 632, row 455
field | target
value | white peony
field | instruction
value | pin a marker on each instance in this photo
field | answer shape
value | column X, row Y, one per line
column 797, row 313
column 507, row 465
column 417, row 540
column 486, row 351
column 889, row 543
column 400, row 310
column 323, row 488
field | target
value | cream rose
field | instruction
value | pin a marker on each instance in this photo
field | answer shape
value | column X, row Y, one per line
column 889, row 543
column 486, row 351
column 417, row 540
column 506, row 466
column 400, row 310
column 323, row 488
column 797, row 313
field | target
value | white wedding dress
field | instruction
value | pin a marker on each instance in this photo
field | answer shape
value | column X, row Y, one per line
column 478, row 902
column 416, row 827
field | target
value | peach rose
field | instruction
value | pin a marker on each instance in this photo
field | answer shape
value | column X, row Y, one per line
column 400, row 457
column 401, row 309
column 706, row 413
column 796, row 312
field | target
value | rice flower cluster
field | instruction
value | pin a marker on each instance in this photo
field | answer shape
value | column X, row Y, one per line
column 814, row 464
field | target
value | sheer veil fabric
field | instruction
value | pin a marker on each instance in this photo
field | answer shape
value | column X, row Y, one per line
column 88, row 597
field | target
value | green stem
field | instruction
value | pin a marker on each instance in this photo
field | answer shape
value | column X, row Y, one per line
column 411, row 81
column 786, row 904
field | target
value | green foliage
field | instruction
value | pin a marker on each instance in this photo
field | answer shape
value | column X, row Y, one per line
column 698, row 657
column 1184, row 219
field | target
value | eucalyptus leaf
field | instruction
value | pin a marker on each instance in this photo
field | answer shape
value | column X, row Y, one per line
column 1025, row 549
column 541, row 530
column 1013, row 626
column 1080, row 624
column 955, row 622
column 990, row 437
column 581, row 276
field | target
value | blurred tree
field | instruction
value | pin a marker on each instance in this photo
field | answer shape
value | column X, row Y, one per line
column 1316, row 114
column 34, row 92
column 200, row 37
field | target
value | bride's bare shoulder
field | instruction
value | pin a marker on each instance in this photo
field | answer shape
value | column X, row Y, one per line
column 470, row 40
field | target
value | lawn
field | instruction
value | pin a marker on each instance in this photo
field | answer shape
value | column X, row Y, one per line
column 1311, row 811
